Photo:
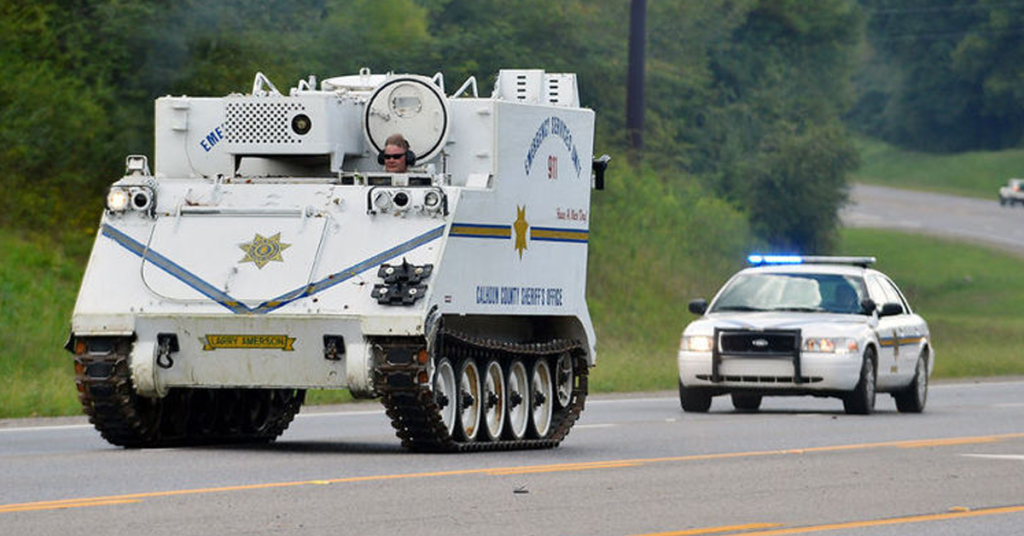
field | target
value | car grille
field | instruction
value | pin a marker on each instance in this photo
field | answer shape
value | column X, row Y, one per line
column 777, row 343
column 766, row 343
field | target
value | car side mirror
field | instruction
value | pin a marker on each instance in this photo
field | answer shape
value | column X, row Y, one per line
column 867, row 306
column 891, row 309
column 698, row 306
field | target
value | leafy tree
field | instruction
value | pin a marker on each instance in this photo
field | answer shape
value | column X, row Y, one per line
column 781, row 77
column 942, row 76
column 732, row 85
column 797, row 186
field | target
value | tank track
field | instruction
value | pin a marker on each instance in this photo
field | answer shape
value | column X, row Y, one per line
column 415, row 414
column 183, row 417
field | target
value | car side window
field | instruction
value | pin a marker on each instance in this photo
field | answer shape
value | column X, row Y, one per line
column 893, row 289
column 875, row 292
column 889, row 292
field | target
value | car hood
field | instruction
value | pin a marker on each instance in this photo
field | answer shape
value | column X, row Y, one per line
column 810, row 324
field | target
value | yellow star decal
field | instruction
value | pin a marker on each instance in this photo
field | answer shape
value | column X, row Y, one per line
column 263, row 250
column 520, row 226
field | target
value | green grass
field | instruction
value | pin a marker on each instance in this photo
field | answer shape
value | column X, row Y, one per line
column 970, row 296
column 654, row 246
column 974, row 174
column 38, row 285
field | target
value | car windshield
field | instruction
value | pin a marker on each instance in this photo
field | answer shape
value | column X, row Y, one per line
column 800, row 292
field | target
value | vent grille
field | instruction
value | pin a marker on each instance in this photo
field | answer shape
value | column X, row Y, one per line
column 261, row 122
column 554, row 95
column 521, row 89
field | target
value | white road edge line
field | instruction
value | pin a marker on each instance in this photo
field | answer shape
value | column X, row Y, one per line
column 45, row 428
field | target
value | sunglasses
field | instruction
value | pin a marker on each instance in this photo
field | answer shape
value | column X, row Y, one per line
column 393, row 156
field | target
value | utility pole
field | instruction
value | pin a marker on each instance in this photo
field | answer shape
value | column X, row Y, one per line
column 635, row 82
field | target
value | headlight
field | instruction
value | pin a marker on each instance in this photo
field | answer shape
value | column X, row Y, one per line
column 382, row 200
column 401, row 200
column 141, row 199
column 431, row 199
column 696, row 343
column 829, row 345
column 117, row 199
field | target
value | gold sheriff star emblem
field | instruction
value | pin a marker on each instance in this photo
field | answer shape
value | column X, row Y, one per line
column 263, row 250
column 520, row 227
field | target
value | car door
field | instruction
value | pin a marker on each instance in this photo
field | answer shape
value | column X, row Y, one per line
column 910, row 329
column 888, row 339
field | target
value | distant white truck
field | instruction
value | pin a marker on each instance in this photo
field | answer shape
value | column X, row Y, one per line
column 1012, row 193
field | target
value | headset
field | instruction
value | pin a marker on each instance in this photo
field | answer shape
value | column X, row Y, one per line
column 410, row 157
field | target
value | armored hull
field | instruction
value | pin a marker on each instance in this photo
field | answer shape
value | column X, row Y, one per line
column 268, row 254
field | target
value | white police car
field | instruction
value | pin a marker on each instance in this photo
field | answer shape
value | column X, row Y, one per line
column 821, row 326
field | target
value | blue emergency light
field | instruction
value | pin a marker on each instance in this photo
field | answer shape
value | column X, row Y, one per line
column 761, row 260
column 775, row 259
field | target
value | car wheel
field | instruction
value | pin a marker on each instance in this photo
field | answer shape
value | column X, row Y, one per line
column 744, row 402
column 861, row 401
column 913, row 398
column 694, row 400
column 1002, row 201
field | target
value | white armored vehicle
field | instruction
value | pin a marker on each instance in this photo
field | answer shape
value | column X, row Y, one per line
column 268, row 253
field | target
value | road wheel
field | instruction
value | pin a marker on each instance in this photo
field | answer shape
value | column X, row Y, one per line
column 444, row 393
column 518, row 399
column 694, row 400
column 541, row 398
column 1002, row 201
column 563, row 379
column 745, row 402
column 494, row 400
column 861, row 401
column 470, row 398
column 913, row 398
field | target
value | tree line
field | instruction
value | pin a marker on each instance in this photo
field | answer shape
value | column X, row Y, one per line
column 752, row 100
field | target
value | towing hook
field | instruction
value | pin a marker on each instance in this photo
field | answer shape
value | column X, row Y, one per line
column 163, row 356
column 166, row 344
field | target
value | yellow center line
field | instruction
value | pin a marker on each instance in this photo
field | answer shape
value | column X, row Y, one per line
column 891, row 521
column 714, row 530
column 57, row 505
column 504, row 471
column 948, row 442
column 555, row 468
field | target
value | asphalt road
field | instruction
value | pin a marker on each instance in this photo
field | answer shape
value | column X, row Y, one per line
column 961, row 218
column 632, row 466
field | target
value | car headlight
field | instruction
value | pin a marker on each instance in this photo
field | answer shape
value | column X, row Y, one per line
column 696, row 343
column 831, row 345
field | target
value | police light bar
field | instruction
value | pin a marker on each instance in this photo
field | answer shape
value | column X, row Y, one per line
column 760, row 260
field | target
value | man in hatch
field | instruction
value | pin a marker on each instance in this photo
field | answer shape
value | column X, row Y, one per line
column 396, row 156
